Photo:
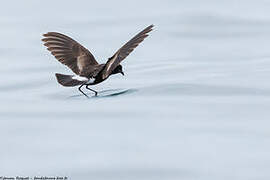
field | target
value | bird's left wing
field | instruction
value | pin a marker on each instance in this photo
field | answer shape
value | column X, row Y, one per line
column 69, row 52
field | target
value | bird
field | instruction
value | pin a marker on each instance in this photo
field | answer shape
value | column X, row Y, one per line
column 82, row 62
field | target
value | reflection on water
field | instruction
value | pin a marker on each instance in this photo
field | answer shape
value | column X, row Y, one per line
column 106, row 93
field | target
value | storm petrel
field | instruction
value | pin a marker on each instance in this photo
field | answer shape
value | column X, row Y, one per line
column 81, row 61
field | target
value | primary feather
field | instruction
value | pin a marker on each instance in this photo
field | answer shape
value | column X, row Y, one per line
column 69, row 52
column 124, row 51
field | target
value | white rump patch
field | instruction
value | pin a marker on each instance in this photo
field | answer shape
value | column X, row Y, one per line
column 91, row 80
column 80, row 78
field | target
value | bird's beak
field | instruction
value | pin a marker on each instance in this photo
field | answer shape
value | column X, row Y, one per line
column 122, row 73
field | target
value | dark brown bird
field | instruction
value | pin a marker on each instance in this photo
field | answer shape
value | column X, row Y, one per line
column 80, row 60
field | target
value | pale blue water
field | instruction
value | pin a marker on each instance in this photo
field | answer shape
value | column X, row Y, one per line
column 194, row 103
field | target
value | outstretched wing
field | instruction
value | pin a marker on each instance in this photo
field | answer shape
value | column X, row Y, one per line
column 69, row 52
column 124, row 51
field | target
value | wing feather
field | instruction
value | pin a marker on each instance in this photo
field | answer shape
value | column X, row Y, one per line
column 124, row 51
column 69, row 52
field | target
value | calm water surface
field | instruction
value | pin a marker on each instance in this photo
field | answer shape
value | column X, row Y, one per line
column 194, row 103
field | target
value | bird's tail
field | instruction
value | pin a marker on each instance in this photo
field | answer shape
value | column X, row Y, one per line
column 67, row 80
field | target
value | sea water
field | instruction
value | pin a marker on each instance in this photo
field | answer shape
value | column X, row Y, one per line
column 193, row 104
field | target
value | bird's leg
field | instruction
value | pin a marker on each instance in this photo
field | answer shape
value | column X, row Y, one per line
column 91, row 90
column 82, row 91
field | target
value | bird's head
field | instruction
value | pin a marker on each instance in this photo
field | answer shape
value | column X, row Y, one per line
column 118, row 69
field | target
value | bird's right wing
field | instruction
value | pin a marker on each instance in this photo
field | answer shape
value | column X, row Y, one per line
column 124, row 51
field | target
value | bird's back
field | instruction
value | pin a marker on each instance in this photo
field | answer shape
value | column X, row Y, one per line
column 92, row 71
